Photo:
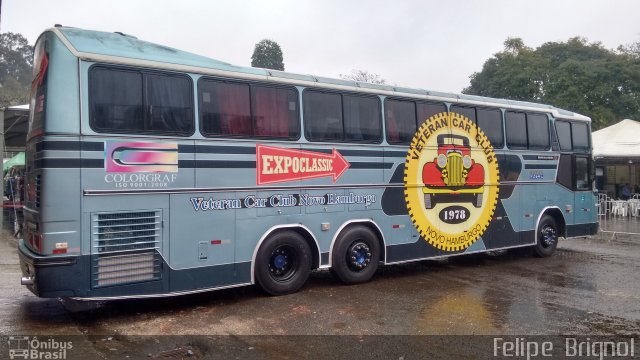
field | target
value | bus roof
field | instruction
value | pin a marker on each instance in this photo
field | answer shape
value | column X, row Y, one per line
column 125, row 49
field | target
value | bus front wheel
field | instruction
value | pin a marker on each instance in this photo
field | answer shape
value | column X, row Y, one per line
column 355, row 255
column 546, row 237
column 283, row 263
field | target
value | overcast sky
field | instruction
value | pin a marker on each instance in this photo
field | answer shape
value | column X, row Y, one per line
column 432, row 45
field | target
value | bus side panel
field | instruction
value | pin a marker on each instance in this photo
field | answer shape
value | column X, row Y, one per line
column 122, row 207
column 130, row 228
column 53, row 162
column 585, row 215
column 56, row 180
column 203, row 236
column 399, row 228
column 63, row 93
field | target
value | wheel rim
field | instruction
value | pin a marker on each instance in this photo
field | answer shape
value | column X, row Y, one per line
column 358, row 256
column 548, row 236
column 282, row 263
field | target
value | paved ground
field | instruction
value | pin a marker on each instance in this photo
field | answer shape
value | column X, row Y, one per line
column 589, row 286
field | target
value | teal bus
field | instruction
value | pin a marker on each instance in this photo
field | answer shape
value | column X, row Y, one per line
column 155, row 172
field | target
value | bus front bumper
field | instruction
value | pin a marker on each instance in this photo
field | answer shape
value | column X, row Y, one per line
column 48, row 276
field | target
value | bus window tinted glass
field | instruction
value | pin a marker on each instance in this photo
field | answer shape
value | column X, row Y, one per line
column 583, row 181
column 323, row 116
column 580, row 134
column 361, row 119
column 225, row 108
column 400, row 119
column 427, row 110
column 563, row 130
column 275, row 112
column 490, row 122
column 538, row 131
column 516, row 126
column 116, row 100
column 469, row 112
column 169, row 104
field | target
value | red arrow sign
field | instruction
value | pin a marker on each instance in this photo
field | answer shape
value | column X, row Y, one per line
column 276, row 164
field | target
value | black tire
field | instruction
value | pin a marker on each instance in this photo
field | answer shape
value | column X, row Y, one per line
column 283, row 263
column 355, row 255
column 546, row 237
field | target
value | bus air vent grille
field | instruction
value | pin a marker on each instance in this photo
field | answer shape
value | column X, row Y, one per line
column 117, row 232
column 126, row 247
column 109, row 270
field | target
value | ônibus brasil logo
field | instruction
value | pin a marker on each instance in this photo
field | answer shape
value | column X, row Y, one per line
column 25, row 347
column 451, row 181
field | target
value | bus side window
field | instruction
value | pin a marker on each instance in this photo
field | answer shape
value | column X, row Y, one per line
column 565, row 171
column 582, row 173
column 322, row 116
column 169, row 101
column 490, row 122
column 118, row 105
column 580, row 136
column 116, row 100
column 563, row 131
column 400, row 121
column 274, row 112
column 361, row 118
column 468, row 111
column 427, row 110
column 538, row 131
column 516, row 126
column 225, row 108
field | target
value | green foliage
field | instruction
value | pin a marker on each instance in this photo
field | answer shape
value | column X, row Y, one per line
column 632, row 50
column 13, row 93
column 363, row 76
column 267, row 54
column 575, row 75
column 16, row 60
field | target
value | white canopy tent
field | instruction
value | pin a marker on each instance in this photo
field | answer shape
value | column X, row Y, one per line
column 619, row 141
column 616, row 151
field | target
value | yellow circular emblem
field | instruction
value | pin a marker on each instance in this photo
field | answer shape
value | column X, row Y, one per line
column 451, row 181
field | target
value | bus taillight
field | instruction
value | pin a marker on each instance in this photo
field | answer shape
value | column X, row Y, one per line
column 33, row 236
column 35, row 242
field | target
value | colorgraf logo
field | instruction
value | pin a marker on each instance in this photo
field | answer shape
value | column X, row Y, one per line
column 141, row 164
column 141, row 157
column 451, row 181
column 24, row 347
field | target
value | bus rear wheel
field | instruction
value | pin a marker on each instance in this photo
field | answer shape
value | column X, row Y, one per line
column 546, row 237
column 283, row 263
column 356, row 255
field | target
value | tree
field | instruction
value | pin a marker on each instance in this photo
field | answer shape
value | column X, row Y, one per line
column 363, row 76
column 16, row 60
column 267, row 54
column 575, row 75
column 632, row 49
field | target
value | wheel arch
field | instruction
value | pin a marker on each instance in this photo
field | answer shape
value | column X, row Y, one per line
column 369, row 223
column 304, row 231
column 557, row 215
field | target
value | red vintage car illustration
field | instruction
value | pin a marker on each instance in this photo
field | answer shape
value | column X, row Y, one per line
column 453, row 176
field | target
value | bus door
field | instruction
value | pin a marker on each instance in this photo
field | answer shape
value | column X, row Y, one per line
column 565, row 177
column 584, row 199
